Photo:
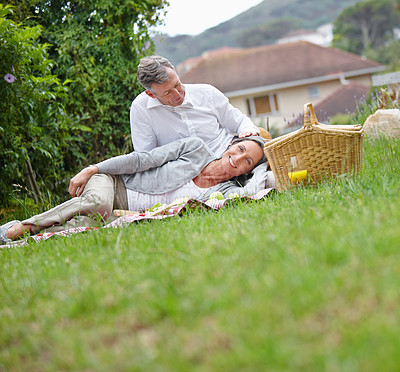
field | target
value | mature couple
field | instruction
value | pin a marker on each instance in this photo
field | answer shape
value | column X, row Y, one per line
column 185, row 145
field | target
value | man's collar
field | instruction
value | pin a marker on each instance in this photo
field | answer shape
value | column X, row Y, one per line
column 188, row 99
column 153, row 102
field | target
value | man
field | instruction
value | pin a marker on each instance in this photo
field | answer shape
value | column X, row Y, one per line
column 168, row 110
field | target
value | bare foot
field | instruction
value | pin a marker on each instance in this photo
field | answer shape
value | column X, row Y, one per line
column 17, row 231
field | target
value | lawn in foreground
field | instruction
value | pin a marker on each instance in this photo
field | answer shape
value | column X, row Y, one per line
column 305, row 280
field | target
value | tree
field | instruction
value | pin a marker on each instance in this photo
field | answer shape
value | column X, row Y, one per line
column 388, row 55
column 366, row 25
column 268, row 33
column 97, row 45
column 33, row 124
column 94, row 47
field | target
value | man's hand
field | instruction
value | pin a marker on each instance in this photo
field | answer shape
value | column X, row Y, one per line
column 78, row 182
column 248, row 133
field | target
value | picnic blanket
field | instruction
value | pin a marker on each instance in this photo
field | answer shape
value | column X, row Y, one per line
column 174, row 209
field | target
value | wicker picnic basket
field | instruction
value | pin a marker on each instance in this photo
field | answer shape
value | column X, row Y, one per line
column 325, row 150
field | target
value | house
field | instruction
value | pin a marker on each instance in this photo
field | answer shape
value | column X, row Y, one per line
column 323, row 35
column 344, row 100
column 275, row 81
column 189, row 63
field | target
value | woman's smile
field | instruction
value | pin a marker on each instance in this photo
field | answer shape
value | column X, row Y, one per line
column 232, row 163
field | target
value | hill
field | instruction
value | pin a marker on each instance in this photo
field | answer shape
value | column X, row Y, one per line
column 259, row 25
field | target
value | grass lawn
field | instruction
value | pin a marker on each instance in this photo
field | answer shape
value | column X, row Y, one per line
column 306, row 280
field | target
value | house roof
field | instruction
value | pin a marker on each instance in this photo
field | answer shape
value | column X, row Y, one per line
column 343, row 100
column 276, row 66
column 189, row 63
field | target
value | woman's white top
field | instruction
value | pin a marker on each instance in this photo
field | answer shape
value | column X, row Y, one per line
column 138, row 201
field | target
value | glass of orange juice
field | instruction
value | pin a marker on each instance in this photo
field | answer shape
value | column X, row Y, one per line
column 297, row 172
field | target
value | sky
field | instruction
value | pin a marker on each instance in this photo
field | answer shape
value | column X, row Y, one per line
column 191, row 17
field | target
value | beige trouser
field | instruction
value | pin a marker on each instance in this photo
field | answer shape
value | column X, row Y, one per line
column 101, row 195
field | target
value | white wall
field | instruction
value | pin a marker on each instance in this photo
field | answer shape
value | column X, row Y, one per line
column 291, row 101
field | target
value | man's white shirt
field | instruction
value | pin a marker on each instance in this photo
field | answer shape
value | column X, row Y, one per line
column 205, row 113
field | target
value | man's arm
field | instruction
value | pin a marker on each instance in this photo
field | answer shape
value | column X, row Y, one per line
column 232, row 118
column 143, row 137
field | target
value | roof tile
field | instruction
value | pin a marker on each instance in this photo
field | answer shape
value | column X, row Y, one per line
column 239, row 69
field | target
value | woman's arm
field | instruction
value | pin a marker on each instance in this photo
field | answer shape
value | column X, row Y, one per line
column 162, row 167
column 191, row 150
column 78, row 182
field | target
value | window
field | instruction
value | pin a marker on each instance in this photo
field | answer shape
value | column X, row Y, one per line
column 262, row 105
column 313, row 91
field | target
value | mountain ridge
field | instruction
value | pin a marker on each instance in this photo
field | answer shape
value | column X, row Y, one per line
column 259, row 25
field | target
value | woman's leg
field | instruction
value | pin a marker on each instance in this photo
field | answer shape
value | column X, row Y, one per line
column 120, row 202
column 96, row 200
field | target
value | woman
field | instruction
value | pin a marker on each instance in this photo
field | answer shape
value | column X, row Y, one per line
column 183, row 168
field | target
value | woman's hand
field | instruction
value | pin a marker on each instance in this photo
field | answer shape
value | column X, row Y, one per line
column 78, row 182
column 248, row 133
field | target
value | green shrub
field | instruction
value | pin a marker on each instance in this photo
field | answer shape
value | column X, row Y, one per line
column 94, row 47
column 340, row 119
column 33, row 123
column 97, row 44
column 383, row 98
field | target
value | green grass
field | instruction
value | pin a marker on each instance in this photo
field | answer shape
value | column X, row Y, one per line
column 307, row 280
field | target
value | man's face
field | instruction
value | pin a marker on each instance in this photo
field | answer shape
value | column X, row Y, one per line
column 171, row 93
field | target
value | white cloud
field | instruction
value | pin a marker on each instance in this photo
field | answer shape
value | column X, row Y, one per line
column 192, row 17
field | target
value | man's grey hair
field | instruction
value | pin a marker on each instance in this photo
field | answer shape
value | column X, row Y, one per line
column 152, row 70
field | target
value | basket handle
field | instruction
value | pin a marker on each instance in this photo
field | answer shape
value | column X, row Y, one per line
column 309, row 119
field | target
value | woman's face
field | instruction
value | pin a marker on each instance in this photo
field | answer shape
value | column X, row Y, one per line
column 241, row 158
